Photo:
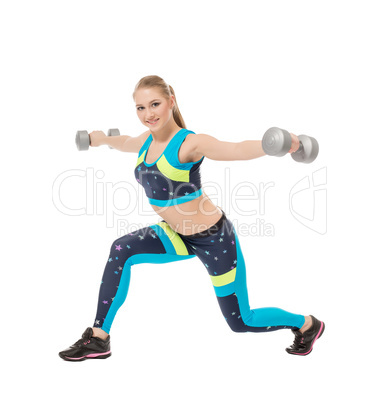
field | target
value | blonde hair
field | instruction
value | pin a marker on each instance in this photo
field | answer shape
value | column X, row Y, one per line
column 153, row 81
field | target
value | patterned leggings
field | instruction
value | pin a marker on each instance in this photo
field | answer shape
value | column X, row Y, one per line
column 218, row 249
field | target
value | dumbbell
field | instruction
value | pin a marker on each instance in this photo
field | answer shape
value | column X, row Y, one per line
column 277, row 142
column 83, row 140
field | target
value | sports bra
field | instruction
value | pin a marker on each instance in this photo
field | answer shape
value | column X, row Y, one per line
column 167, row 181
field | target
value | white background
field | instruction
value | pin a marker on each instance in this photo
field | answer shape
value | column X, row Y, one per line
column 237, row 68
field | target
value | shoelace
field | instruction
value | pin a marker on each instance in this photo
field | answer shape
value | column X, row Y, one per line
column 298, row 343
column 85, row 339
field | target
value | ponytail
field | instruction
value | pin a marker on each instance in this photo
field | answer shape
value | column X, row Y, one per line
column 176, row 112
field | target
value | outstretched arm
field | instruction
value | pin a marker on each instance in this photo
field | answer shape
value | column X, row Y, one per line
column 124, row 143
column 212, row 148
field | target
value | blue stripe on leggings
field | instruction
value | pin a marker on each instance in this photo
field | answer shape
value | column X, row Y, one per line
column 261, row 317
column 240, row 283
column 123, row 286
column 164, row 239
column 222, row 291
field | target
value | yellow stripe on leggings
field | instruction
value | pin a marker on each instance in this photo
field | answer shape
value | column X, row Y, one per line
column 177, row 242
column 224, row 279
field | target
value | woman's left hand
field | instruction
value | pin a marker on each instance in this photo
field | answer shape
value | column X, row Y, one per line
column 295, row 143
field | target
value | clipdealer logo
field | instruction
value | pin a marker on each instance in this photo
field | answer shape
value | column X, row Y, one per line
column 308, row 201
column 112, row 200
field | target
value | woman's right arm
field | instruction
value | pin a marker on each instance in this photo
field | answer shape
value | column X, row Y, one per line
column 123, row 143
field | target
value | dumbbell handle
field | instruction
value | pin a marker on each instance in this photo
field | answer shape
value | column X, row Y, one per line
column 83, row 139
column 301, row 147
column 112, row 132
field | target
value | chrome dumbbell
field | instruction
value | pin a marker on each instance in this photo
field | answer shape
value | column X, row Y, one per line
column 277, row 142
column 83, row 140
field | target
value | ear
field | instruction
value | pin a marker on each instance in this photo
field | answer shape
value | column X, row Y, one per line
column 173, row 102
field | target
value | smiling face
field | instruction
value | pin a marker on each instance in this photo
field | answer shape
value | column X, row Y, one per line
column 153, row 109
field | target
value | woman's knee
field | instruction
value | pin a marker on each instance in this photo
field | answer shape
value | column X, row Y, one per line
column 237, row 325
column 120, row 246
column 133, row 242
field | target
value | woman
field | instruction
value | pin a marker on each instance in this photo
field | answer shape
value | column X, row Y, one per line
column 168, row 167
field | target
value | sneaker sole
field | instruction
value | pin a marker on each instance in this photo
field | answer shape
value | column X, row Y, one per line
column 90, row 356
column 320, row 332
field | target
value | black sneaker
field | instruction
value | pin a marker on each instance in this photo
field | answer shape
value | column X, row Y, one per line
column 303, row 343
column 88, row 347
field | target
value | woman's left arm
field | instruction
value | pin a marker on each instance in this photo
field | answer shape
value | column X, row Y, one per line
column 212, row 148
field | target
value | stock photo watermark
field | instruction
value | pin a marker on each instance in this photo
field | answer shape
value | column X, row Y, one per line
column 308, row 201
column 116, row 201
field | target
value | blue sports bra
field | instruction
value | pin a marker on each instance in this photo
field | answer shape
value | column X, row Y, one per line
column 167, row 181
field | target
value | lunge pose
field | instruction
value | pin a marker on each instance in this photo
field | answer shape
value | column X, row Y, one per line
column 168, row 168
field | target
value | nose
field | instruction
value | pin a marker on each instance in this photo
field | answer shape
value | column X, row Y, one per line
column 149, row 115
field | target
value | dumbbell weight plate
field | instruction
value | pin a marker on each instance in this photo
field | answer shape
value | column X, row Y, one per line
column 112, row 132
column 82, row 140
column 308, row 150
column 276, row 142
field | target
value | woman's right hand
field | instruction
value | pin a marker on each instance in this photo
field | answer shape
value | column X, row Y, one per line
column 97, row 138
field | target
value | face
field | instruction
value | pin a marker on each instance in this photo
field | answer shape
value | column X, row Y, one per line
column 153, row 110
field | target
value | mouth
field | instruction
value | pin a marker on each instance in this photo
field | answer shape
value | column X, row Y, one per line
column 152, row 122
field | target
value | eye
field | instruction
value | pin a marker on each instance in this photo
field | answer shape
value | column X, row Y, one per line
column 139, row 108
column 155, row 104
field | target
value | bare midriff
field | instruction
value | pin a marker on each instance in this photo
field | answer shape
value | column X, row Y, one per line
column 191, row 217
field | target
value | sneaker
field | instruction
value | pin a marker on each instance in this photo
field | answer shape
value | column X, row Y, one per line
column 88, row 347
column 303, row 343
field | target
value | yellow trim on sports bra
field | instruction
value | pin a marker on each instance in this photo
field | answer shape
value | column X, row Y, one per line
column 141, row 158
column 171, row 172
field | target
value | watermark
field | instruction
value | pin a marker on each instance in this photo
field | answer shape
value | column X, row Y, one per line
column 308, row 201
column 259, row 228
column 116, row 201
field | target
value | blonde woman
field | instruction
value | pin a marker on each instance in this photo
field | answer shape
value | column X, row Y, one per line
column 168, row 168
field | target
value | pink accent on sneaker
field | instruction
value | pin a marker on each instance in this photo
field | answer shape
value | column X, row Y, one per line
column 98, row 354
column 92, row 355
column 314, row 340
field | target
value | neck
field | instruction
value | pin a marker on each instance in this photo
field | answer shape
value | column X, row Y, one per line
column 165, row 133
